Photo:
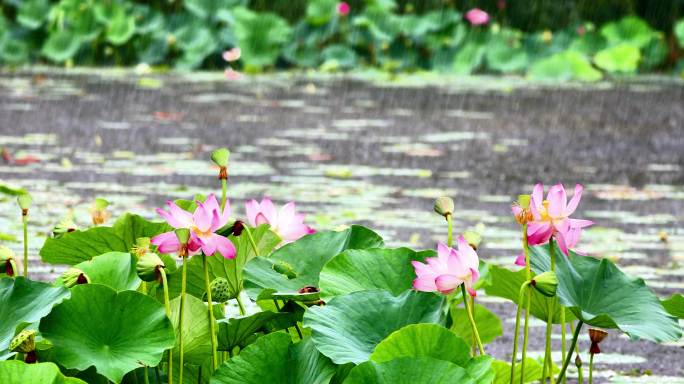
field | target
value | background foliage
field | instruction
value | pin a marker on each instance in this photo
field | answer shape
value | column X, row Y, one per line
column 566, row 39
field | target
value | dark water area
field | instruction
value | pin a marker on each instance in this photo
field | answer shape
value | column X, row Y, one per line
column 364, row 149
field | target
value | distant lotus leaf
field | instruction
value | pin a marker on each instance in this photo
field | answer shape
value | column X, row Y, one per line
column 18, row 372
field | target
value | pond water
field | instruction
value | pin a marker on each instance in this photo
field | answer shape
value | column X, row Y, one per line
column 366, row 149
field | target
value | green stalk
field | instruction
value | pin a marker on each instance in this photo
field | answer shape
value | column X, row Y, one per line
column 167, row 305
column 147, row 379
column 528, row 274
column 548, row 361
column 573, row 343
column 24, row 219
column 156, row 373
column 517, row 328
column 563, row 330
column 180, row 322
column 210, row 306
column 450, row 230
column 591, row 368
column 240, row 305
column 472, row 320
column 580, row 377
column 251, row 240
column 224, row 189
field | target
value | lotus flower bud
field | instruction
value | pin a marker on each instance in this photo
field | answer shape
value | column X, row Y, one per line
column 220, row 157
column 74, row 276
column 220, row 290
column 148, row 266
column 473, row 238
column 444, row 206
column 596, row 336
column 545, row 283
column 7, row 264
column 24, row 200
column 24, row 342
column 66, row 225
column 578, row 361
column 99, row 211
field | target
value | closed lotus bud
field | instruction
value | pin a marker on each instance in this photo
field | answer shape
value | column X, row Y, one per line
column 220, row 157
column 596, row 336
column 220, row 290
column 473, row 238
column 74, row 276
column 444, row 206
column 24, row 342
column 578, row 361
column 66, row 225
column 9, row 267
column 545, row 283
column 148, row 267
column 24, row 200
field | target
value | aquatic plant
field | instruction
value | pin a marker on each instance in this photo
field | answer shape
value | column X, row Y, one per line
column 327, row 306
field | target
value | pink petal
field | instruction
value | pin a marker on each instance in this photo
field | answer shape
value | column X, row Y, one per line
column 424, row 284
column 166, row 242
column 560, row 240
column 231, row 74
column 252, row 209
column 447, row 283
column 224, row 246
column 269, row 211
column 202, row 217
column 443, row 251
column 557, row 200
column 539, row 232
column 261, row 219
column 208, row 244
column 580, row 223
column 467, row 253
column 232, row 54
column 180, row 216
column 574, row 202
column 520, row 260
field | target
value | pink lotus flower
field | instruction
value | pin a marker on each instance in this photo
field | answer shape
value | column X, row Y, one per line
column 476, row 16
column 551, row 217
column 206, row 220
column 343, row 8
column 520, row 260
column 232, row 74
column 286, row 222
column 232, row 54
column 448, row 270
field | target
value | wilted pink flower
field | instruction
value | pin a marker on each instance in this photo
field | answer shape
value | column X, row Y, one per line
column 286, row 222
column 448, row 270
column 476, row 16
column 232, row 54
column 551, row 217
column 206, row 220
column 343, row 8
column 232, row 74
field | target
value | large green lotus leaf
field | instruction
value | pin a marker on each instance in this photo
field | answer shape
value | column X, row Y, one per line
column 409, row 370
column 113, row 269
column 229, row 269
column 236, row 331
column 622, row 58
column 24, row 301
column 631, row 30
column 299, row 264
column 506, row 283
column 319, row 12
column 367, row 269
column 502, row 56
column 675, row 305
column 348, row 328
column 679, row 32
column 61, row 45
column 120, row 29
column 488, row 324
column 13, row 51
column 423, row 340
column 564, row 66
column 274, row 359
column 209, row 8
column 32, row 13
column 78, row 246
column 114, row 332
column 502, row 369
column 196, row 331
column 599, row 294
column 18, row 372
column 261, row 36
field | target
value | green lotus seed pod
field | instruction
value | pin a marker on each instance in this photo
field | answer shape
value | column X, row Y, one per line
column 546, row 283
column 524, row 201
column 473, row 238
column 220, row 157
column 220, row 290
column 101, row 204
column 65, row 226
column 285, row 269
column 183, row 235
column 74, row 276
column 24, row 200
column 444, row 206
column 148, row 266
column 24, row 342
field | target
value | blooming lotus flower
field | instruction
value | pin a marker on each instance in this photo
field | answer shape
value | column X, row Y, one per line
column 343, row 8
column 551, row 217
column 476, row 16
column 232, row 54
column 286, row 222
column 448, row 270
column 206, row 220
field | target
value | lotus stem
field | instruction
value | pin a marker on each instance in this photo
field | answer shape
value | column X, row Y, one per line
column 210, row 306
column 167, row 305
column 548, row 360
column 251, row 240
column 528, row 274
column 147, row 379
column 224, row 189
column 180, row 321
column 450, row 231
column 275, row 302
column 24, row 220
column 563, row 331
column 517, row 328
column 240, row 305
column 591, row 368
column 156, row 373
column 472, row 320
column 573, row 343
